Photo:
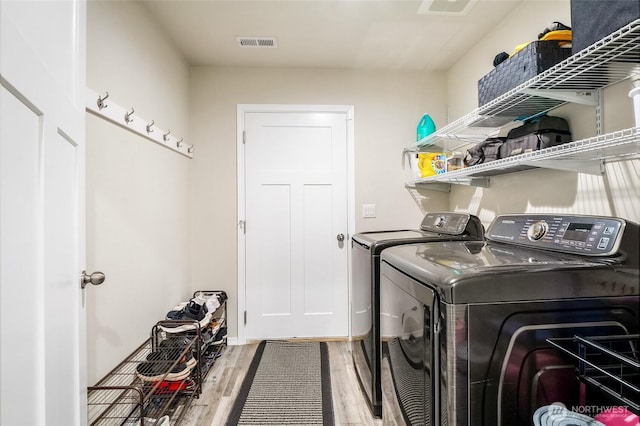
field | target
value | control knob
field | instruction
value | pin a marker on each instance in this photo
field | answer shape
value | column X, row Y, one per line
column 537, row 230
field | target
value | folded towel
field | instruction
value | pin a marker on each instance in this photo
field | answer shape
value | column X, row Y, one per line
column 618, row 416
column 558, row 415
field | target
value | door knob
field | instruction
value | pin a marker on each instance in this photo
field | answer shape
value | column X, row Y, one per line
column 96, row 278
column 340, row 237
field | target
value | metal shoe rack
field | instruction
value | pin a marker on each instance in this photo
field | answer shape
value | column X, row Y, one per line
column 609, row 364
column 163, row 375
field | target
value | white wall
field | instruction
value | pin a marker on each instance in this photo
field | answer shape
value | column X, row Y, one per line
column 137, row 191
column 387, row 108
column 614, row 194
column 160, row 225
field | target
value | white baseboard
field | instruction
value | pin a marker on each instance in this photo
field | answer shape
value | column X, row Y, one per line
column 232, row 341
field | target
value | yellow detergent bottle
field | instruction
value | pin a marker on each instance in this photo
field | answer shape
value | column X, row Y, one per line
column 432, row 163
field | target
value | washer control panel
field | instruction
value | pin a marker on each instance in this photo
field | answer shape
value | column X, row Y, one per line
column 449, row 223
column 587, row 235
column 537, row 230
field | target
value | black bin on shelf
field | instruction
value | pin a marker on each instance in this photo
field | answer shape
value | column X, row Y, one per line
column 592, row 20
column 536, row 57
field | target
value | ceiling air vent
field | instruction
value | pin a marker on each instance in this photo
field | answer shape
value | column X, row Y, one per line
column 445, row 7
column 261, row 42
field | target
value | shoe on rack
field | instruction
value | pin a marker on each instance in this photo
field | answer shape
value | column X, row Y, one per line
column 174, row 315
column 177, row 316
column 195, row 311
column 173, row 342
column 163, row 421
column 172, row 386
column 159, row 370
column 171, row 349
column 207, row 336
column 222, row 334
column 210, row 300
column 171, row 355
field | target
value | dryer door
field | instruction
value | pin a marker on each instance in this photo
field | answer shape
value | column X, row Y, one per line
column 410, row 370
column 513, row 370
column 364, row 351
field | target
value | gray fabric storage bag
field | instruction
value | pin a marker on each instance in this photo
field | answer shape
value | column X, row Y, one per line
column 541, row 133
column 520, row 145
column 488, row 150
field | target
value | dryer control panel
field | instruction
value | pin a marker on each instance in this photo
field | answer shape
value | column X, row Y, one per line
column 452, row 224
column 585, row 235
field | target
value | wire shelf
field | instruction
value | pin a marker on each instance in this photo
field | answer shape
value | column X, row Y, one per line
column 606, row 62
column 609, row 364
column 586, row 155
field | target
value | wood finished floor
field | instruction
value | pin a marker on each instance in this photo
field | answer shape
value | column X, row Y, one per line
column 225, row 378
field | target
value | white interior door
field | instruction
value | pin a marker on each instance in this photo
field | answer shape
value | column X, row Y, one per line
column 42, row 335
column 296, row 224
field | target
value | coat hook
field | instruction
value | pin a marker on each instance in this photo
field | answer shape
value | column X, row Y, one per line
column 165, row 136
column 101, row 103
column 127, row 116
column 149, row 129
column 179, row 142
column 190, row 149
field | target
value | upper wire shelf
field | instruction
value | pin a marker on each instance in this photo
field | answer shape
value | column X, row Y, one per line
column 606, row 62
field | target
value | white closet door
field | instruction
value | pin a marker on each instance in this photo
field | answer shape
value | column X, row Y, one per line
column 296, row 213
column 42, row 317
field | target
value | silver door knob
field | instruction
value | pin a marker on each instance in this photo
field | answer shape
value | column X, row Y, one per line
column 96, row 278
column 340, row 237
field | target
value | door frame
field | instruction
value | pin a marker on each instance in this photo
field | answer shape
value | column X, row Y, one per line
column 242, row 109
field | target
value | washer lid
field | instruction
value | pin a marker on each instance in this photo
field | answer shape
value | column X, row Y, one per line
column 470, row 272
column 376, row 242
column 437, row 226
column 368, row 238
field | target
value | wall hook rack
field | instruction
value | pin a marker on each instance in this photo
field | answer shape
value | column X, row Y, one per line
column 127, row 116
column 124, row 118
column 101, row 100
